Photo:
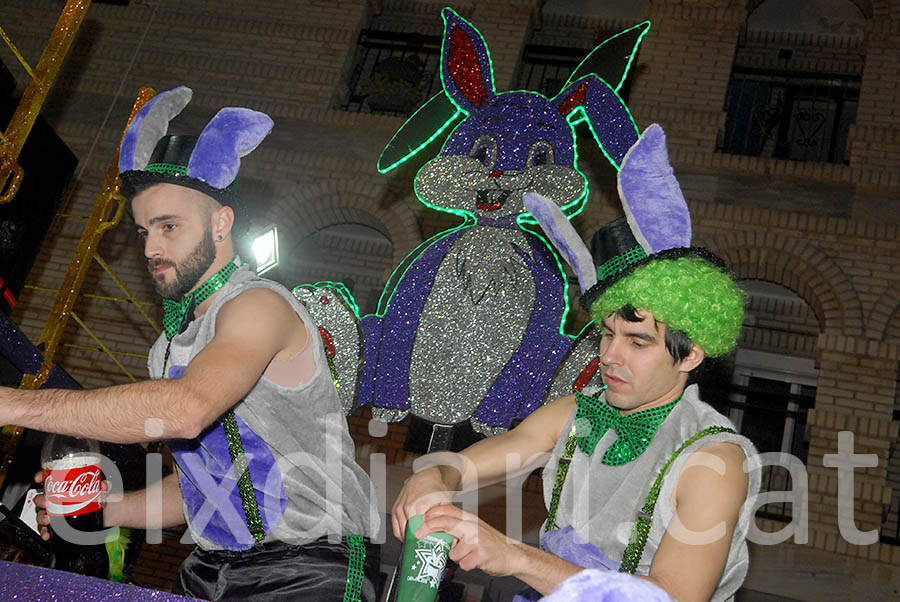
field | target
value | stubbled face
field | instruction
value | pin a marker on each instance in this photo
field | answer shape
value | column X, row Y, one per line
column 517, row 143
column 175, row 225
column 637, row 368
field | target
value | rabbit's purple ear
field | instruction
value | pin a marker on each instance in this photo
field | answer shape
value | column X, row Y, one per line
column 651, row 196
column 593, row 99
column 231, row 134
column 562, row 234
column 465, row 63
column 149, row 125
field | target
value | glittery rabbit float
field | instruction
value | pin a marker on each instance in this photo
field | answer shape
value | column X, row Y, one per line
column 469, row 326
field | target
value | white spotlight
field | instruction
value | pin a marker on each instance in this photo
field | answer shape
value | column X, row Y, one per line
column 265, row 248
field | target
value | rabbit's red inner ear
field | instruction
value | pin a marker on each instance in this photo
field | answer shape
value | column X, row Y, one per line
column 465, row 71
column 575, row 99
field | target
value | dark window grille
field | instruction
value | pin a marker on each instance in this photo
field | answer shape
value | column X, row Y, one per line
column 394, row 72
column 790, row 115
column 546, row 69
column 774, row 419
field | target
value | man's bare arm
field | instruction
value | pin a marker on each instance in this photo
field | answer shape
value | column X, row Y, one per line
column 483, row 463
column 156, row 507
column 708, row 499
column 250, row 330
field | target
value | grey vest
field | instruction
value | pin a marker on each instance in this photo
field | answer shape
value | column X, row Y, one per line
column 301, row 458
column 602, row 502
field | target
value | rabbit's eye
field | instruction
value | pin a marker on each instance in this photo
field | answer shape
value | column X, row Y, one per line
column 540, row 153
column 484, row 151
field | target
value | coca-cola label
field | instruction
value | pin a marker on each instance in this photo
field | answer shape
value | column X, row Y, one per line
column 71, row 491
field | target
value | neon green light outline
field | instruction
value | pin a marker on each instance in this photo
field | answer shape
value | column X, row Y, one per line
column 630, row 56
column 413, row 152
column 388, row 292
column 340, row 287
column 522, row 219
column 566, row 306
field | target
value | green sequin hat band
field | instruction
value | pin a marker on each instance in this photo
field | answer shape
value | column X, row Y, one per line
column 617, row 253
column 169, row 164
column 687, row 288
column 174, row 312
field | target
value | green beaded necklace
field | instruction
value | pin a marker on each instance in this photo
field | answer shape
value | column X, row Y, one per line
column 175, row 312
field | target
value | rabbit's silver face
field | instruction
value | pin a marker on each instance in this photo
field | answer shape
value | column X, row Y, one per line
column 472, row 184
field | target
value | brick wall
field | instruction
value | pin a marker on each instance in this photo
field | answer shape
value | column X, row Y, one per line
column 826, row 232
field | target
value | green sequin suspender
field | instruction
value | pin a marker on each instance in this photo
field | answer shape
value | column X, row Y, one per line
column 229, row 422
column 245, row 484
column 641, row 529
column 635, row 548
column 355, row 571
column 562, row 469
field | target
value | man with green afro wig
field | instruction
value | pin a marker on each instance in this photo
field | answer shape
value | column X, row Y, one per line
column 643, row 477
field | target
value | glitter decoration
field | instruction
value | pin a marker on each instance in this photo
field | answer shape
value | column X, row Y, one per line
column 634, row 431
column 35, row 93
column 175, row 313
column 333, row 310
column 30, row 583
column 631, row 558
column 562, row 470
column 469, row 326
column 571, row 371
column 355, row 572
column 245, row 484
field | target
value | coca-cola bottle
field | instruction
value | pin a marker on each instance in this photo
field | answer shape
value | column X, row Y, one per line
column 72, row 487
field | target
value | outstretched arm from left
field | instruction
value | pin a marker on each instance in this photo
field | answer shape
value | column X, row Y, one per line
column 250, row 330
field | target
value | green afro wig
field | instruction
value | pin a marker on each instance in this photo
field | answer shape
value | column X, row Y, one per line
column 689, row 294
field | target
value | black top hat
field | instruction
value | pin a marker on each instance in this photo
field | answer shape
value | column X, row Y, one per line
column 617, row 254
column 169, row 164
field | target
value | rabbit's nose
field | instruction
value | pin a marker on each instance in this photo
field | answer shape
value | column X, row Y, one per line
column 495, row 173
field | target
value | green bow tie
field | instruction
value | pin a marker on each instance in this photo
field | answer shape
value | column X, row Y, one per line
column 635, row 431
column 177, row 314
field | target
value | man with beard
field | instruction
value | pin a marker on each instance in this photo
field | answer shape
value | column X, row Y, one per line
column 241, row 393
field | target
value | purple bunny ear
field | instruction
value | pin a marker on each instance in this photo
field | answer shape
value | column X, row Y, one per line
column 233, row 133
column 465, row 63
column 149, row 125
column 559, row 230
column 653, row 202
column 611, row 123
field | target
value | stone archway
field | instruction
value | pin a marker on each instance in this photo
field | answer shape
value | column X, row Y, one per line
column 799, row 266
column 884, row 313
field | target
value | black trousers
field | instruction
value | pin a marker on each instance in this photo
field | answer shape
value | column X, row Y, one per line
column 272, row 572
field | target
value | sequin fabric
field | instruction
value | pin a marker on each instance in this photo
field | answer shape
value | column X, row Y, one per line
column 174, row 311
column 617, row 263
column 355, row 571
column 23, row 583
column 341, row 327
column 594, row 417
column 641, row 530
column 245, row 483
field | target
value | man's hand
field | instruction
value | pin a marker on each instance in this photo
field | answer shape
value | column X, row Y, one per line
column 421, row 491
column 478, row 545
column 40, row 502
